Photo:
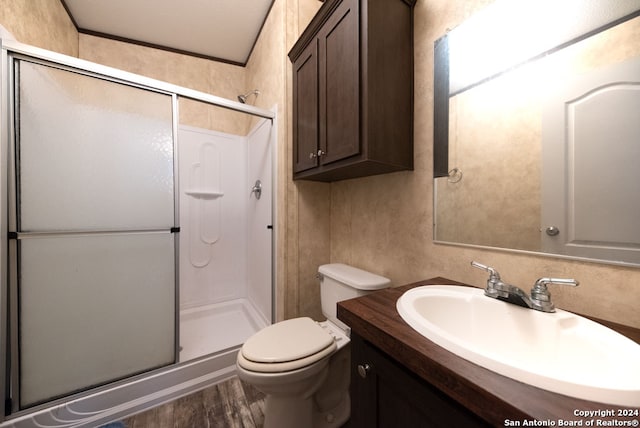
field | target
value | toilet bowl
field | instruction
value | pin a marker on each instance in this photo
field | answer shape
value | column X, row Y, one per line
column 303, row 366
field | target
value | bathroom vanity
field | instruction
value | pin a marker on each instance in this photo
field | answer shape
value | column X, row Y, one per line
column 400, row 378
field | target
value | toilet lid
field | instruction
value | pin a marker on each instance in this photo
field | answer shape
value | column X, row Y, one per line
column 285, row 341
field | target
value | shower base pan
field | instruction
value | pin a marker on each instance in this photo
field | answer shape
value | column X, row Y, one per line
column 211, row 328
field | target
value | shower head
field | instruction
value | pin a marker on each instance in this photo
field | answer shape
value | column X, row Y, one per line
column 243, row 98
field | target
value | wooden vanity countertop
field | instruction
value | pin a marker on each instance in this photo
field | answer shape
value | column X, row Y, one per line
column 495, row 398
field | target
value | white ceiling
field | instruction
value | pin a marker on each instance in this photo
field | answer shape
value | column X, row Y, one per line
column 225, row 30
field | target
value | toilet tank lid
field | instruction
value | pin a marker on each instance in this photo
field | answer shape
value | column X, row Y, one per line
column 356, row 278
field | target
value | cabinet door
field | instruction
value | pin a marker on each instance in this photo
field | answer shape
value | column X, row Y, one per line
column 384, row 394
column 340, row 84
column 305, row 109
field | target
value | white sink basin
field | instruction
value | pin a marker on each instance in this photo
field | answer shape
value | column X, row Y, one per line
column 560, row 352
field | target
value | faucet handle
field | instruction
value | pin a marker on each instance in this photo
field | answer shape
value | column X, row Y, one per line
column 540, row 293
column 541, row 283
column 492, row 272
column 492, row 282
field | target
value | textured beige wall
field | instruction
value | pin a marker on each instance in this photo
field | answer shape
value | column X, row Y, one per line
column 41, row 23
column 383, row 223
column 307, row 204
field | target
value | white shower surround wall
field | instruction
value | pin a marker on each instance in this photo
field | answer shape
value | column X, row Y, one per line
column 225, row 278
column 213, row 216
column 141, row 392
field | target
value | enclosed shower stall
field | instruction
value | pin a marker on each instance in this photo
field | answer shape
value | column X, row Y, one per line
column 137, row 247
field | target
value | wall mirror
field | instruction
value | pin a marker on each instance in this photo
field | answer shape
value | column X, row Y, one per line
column 537, row 130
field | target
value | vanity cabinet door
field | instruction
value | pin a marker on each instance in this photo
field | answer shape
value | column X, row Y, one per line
column 384, row 394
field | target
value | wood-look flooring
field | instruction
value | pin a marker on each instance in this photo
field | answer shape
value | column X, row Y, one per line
column 230, row 404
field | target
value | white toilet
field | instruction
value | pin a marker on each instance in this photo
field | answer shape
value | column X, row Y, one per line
column 302, row 365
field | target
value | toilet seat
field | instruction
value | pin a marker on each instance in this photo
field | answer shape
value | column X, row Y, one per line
column 286, row 346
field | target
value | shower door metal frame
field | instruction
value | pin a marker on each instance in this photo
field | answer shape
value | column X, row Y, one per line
column 12, row 398
column 10, row 49
column 5, row 136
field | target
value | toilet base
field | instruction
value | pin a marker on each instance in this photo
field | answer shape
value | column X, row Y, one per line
column 290, row 412
column 335, row 417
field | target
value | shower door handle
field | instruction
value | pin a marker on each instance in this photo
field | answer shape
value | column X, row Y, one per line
column 257, row 189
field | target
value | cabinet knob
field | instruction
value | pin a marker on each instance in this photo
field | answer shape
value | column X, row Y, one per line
column 312, row 155
column 363, row 370
column 321, row 153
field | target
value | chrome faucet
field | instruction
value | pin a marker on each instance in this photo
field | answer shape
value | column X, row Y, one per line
column 540, row 298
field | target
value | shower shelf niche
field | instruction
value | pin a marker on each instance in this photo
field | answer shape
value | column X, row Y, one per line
column 204, row 194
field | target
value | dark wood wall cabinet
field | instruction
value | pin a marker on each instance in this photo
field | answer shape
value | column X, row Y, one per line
column 353, row 91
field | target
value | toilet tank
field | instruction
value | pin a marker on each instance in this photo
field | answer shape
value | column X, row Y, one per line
column 341, row 282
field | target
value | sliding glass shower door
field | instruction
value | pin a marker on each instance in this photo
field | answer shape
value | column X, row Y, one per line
column 92, row 228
